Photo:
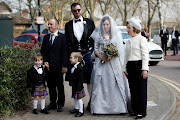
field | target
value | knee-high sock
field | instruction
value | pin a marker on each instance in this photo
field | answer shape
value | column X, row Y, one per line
column 80, row 105
column 42, row 104
column 76, row 104
column 35, row 102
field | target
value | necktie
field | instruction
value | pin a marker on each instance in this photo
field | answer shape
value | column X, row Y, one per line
column 79, row 20
column 51, row 39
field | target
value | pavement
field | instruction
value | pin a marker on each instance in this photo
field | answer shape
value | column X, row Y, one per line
column 161, row 104
column 172, row 58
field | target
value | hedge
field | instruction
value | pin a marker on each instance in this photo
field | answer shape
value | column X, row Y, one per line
column 14, row 63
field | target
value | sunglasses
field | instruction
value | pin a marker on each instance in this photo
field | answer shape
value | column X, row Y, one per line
column 78, row 10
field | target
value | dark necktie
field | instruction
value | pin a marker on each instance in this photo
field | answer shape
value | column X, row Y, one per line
column 79, row 20
column 51, row 39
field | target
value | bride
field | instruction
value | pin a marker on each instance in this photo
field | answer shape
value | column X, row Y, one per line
column 110, row 92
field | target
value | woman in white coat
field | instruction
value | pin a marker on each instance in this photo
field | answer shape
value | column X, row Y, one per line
column 136, row 67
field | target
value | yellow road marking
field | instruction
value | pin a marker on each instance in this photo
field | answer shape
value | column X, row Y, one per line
column 170, row 82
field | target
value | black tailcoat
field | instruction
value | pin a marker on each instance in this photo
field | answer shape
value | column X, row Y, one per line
column 34, row 78
column 77, row 79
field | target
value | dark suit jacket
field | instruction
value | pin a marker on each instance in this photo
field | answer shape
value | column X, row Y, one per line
column 176, row 35
column 35, row 79
column 86, row 42
column 77, row 78
column 165, row 36
column 55, row 54
column 143, row 33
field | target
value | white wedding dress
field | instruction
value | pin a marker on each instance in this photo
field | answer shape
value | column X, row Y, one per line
column 110, row 93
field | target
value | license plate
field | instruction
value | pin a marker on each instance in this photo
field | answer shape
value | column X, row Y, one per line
column 156, row 56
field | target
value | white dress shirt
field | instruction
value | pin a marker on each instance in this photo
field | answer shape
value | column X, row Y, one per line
column 173, row 35
column 164, row 30
column 53, row 35
column 39, row 70
column 137, row 49
column 78, row 28
column 75, row 66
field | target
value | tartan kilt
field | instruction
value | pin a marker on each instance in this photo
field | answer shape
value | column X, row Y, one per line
column 78, row 94
column 39, row 91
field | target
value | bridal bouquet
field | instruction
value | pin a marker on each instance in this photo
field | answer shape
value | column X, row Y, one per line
column 110, row 51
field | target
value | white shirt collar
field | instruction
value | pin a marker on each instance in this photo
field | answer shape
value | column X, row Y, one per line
column 37, row 66
column 40, row 71
column 81, row 18
column 55, row 34
column 76, row 64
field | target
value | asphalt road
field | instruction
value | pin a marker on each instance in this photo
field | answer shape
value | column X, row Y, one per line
column 169, row 73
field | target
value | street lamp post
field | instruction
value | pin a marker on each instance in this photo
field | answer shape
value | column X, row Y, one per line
column 39, row 14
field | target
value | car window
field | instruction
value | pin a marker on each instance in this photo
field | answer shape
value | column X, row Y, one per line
column 41, row 37
column 20, row 39
column 29, row 38
column 24, row 38
column 125, row 36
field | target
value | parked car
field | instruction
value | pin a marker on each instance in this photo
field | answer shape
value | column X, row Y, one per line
column 28, row 40
column 45, row 31
column 32, row 30
column 155, row 51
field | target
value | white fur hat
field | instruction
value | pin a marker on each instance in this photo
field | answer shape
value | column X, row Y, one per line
column 135, row 22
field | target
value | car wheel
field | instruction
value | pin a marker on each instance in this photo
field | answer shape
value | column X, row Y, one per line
column 153, row 62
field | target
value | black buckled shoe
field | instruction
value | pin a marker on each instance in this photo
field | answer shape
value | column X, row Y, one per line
column 51, row 106
column 79, row 114
column 35, row 111
column 60, row 108
column 139, row 117
column 74, row 111
column 45, row 111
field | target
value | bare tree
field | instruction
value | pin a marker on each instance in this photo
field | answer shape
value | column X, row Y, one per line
column 90, row 7
column 151, row 12
column 160, row 13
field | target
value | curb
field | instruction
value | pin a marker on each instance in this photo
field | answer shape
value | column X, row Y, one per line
column 166, row 101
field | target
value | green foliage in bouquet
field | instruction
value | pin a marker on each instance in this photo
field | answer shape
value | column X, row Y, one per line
column 110, row 51
column 14, row 63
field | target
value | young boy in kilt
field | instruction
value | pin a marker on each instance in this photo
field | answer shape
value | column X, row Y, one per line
column 36, row 83
column 77, row 83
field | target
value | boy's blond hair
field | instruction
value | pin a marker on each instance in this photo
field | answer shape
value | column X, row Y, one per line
column 38, row 56
column 77, row 55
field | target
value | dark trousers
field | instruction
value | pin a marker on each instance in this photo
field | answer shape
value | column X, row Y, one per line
column 138, row 87
column 164, row 46
column 175, row 46
column 56, row 88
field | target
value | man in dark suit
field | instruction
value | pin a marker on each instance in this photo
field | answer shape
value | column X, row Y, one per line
column 144, row 33
column 175, row 41
column 54, row 52
column 78, row 33
column 164, row 34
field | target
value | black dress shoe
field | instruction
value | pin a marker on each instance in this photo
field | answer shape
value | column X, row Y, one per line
column 79, row 114
column 45, row 111
column 132, row 114
column 74, row 111
column 51, row 106
column 139, row 117
column 60, row 108
column 35, row 111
